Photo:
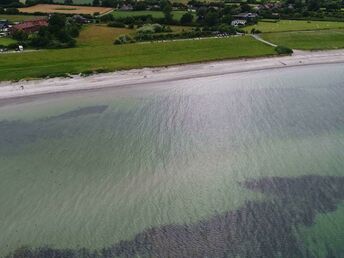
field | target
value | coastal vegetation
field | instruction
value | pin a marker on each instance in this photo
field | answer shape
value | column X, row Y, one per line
column 109, row 57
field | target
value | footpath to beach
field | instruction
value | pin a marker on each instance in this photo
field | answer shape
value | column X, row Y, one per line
column 12, row 90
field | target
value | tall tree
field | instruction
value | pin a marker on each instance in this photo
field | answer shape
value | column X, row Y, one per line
column 167, row 10
column 96, row 3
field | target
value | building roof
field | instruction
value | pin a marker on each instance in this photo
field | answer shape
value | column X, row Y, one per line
column 31, row 24
column 3, row 21
column 246, row 15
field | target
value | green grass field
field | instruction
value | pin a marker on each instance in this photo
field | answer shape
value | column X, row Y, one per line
column 6, row 41
column 308, row 40
column 95, row 56
column 292, row 25
column 18, row 18
column 156, row 14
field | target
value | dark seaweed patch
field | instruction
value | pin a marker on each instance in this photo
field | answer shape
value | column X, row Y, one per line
column 80, row 112
column 19, row 133
column 258, row 229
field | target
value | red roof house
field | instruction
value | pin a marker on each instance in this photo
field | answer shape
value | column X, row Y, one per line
column 30, row 26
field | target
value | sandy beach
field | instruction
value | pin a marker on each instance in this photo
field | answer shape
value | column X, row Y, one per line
column 10, row 91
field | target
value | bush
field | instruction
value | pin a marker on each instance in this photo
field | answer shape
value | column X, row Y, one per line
column 281, row 50
column 13, row 46
column 186, row 19
column 124, row 39
column 255, row 31
column 107, row 18
column 116, row 24
column 153, row 28
column 20, row 35
column 11, row 11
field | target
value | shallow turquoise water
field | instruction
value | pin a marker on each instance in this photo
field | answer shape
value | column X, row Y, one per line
column 167, row 169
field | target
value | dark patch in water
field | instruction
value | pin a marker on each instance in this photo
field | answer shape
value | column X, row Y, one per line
column 258, row 229
column 18, row 133
column 81, row 112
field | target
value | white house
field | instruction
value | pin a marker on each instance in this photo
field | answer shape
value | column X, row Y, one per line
column 237, row 23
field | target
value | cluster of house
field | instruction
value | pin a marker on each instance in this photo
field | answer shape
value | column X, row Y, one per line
column 7, row 29
column 31, row 26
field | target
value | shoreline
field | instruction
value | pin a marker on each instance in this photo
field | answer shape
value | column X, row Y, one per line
column 11, row 91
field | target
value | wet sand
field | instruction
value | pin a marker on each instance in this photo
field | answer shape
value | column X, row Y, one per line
column 10, row 91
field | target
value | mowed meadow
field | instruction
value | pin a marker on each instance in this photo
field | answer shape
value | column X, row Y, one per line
column 96, row 52
column 303, row 35
column 308, row 40
column 294, row 25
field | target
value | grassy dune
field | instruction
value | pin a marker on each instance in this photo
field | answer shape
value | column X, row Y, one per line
column 308, row 40
column 92, row 55
column 292, row 25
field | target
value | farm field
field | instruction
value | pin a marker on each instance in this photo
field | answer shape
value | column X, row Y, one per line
column 100, row 35
column 118, row 57
column 292, row 25
column 19, row 18
column 308, row 40
column 155, row 14
column 67, row 9
column 6, row 41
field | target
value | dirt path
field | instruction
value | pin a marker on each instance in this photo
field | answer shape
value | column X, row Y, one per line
column 257, row 37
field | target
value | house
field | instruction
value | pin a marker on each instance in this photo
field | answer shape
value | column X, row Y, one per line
column 248, row 17
column 237, row 23
column 125, row 7
column 30, row 26
column 4, row 28
column 80, row 19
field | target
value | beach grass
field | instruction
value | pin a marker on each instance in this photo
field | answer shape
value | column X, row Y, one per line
column 294, row 25
column 308, row 40
column 109, row 57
